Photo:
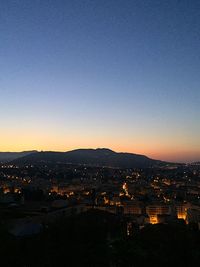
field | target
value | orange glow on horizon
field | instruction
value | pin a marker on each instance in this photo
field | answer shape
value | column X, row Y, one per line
column 31, row 140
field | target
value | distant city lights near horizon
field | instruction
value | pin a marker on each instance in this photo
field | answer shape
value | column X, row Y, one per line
column 99, row 133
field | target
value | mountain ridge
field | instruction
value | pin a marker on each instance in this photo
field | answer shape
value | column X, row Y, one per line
column 97, row 157
column 9, row 156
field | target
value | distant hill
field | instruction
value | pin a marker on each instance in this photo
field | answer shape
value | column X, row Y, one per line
column 97, row 157
column 9, row 156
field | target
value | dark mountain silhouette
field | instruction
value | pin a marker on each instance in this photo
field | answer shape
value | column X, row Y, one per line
column 9, row 156
column 97, row 157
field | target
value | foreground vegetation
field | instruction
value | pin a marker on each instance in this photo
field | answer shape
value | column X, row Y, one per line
column 99, row 239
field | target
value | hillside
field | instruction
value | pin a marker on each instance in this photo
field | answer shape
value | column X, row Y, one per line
column 97, row 157
column 9, row 156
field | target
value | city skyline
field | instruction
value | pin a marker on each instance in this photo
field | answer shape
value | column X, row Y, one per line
column 86, row 74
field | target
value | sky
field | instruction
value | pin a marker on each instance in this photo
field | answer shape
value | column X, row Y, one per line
column 120, row 74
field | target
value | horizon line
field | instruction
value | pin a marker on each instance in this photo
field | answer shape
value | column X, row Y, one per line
column 63, row 151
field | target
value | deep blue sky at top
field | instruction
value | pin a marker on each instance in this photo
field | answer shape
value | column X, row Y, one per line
column 114, row 69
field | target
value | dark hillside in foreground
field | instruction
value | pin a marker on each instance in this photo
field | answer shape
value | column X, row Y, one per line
column 99, row 239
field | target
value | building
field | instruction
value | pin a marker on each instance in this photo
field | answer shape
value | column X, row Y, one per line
column 157, row 209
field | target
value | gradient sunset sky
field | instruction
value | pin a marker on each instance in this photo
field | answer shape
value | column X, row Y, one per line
column 101, row 73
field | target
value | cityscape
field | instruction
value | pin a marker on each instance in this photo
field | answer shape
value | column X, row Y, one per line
column 99, row 133
column 37, row 195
